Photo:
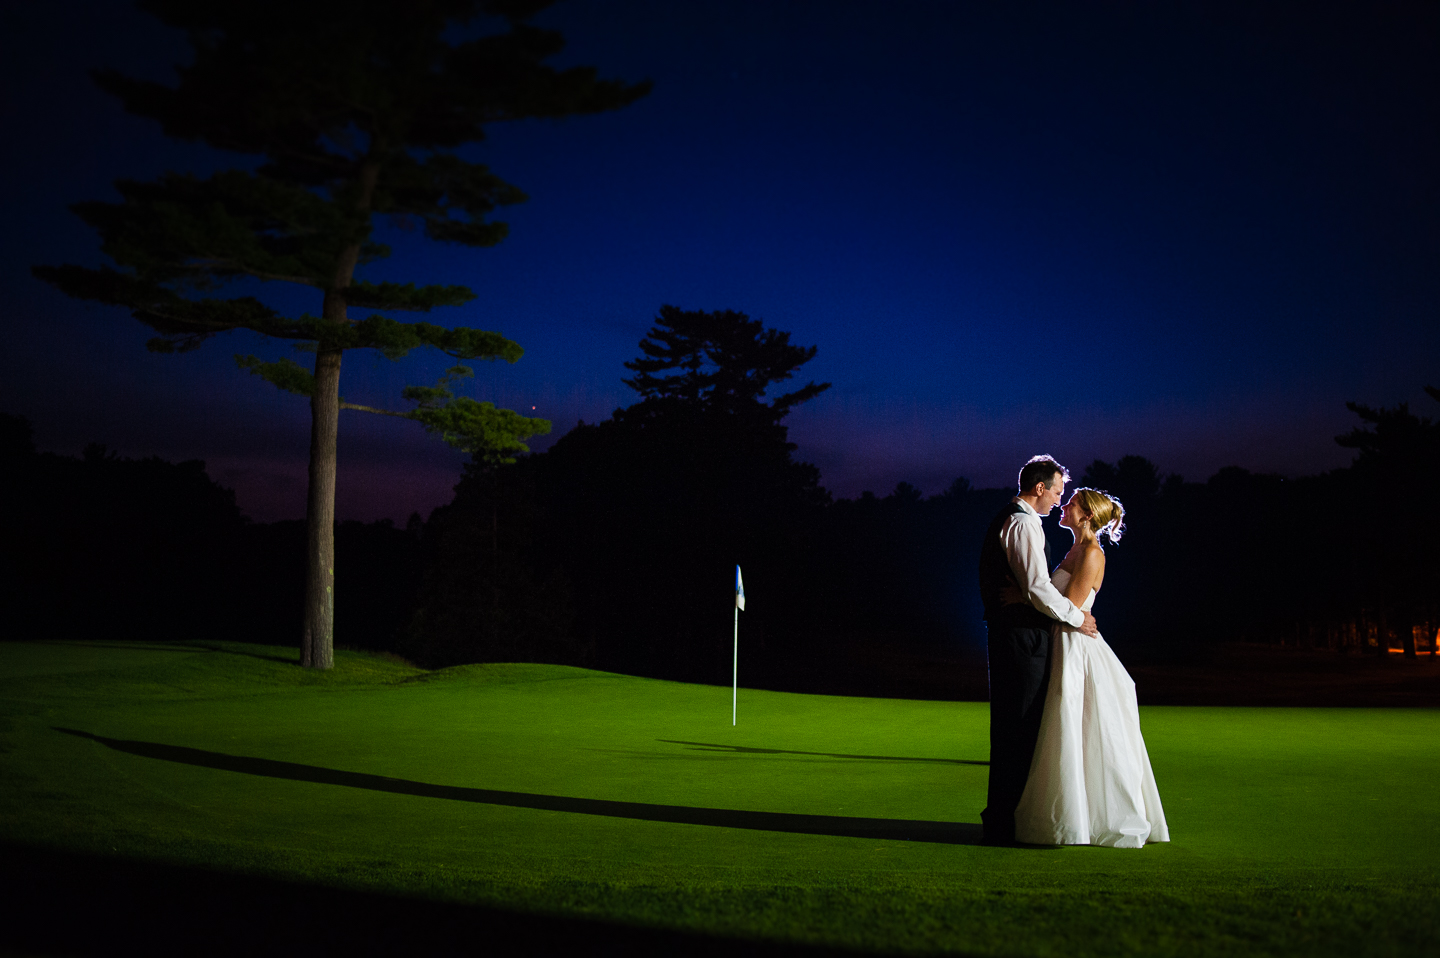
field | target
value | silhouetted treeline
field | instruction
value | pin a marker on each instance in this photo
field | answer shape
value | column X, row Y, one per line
column 616, row 549
column 95, row 545
column 1347, row 560
column 107, row 547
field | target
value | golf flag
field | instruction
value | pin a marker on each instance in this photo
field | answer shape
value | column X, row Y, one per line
column 735, row 675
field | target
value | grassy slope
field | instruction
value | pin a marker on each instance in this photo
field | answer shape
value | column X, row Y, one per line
column 1297, row 829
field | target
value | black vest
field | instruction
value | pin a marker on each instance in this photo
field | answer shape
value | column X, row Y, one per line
column 995, row 574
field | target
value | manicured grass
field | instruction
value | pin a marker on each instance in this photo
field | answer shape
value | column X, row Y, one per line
column 553, row 790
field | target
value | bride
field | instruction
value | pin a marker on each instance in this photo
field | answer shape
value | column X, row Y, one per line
column 1090, row 780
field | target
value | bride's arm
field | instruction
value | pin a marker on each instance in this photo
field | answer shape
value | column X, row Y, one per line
column 1087, row 575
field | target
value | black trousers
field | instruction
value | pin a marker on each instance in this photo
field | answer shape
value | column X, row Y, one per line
column 1019, row 655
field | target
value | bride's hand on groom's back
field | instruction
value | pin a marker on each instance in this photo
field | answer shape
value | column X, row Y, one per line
column 1011, row 595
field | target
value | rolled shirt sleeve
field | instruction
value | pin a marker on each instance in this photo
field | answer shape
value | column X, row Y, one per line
column 1024, row 542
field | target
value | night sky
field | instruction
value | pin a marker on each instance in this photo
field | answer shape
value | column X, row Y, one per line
column 1188, row 233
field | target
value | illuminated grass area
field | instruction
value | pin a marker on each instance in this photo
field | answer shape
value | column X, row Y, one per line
column 825, row 820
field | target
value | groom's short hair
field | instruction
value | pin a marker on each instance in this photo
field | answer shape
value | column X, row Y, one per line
column 1041, row 469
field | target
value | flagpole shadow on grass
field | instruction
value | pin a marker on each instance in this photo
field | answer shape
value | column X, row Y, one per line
column 893, row 829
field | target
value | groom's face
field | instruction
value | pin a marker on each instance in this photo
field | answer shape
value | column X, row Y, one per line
column 1051, row 495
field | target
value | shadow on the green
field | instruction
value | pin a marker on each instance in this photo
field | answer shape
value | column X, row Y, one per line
column 67, row 903
column 282, row 659
column 181, row 647
column 951, row 833
column 751, row 750
column 127, row 646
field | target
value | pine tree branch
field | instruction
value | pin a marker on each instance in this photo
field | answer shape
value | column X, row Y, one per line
column 380, row 412
column 285, row 374
column 407, row 296
column 230, row 265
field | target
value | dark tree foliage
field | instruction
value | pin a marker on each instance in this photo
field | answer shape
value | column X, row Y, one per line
column 109, row 547
column 641, row 519
column 893, row 578
column 491, row 589
column 1347, row 559
column 1394, row 445
column 615, row 548
column 1135, row 480
column 579, row 558
column 357, row 109
column 1394, row 570
column 377, row 572
column 718, row 364
column 1340, row 560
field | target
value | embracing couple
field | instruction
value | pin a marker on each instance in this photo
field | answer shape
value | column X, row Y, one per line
column 1067, row 763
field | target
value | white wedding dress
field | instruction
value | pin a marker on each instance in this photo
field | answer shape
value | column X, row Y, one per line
column 1090, row 780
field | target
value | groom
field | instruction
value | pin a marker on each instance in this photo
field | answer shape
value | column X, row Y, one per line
column 1015, row 553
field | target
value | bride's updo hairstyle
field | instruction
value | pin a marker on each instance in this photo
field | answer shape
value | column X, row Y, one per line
column 1107, row 516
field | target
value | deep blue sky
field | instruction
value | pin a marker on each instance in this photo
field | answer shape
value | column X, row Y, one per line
column 1190, row 233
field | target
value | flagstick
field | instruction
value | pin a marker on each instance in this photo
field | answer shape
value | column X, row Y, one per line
column 735, row 674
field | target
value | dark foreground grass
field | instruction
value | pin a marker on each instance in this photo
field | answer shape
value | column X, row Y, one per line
column 215, row 797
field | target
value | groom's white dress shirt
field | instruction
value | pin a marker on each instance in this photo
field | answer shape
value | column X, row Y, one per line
column 1024, row 540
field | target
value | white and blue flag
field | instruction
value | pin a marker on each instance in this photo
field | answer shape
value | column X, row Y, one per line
column 739, row 591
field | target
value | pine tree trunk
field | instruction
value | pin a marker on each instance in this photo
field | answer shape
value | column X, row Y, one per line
column 317, row 645
column 317, row 649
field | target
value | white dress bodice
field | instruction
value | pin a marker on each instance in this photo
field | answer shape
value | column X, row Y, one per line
column 1060, row 579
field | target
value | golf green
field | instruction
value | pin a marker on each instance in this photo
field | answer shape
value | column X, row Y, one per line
column 818, row 819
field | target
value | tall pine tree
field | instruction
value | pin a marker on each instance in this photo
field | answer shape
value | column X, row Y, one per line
column 358, row 108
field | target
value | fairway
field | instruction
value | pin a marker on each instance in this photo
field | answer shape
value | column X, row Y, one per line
column 834, row 821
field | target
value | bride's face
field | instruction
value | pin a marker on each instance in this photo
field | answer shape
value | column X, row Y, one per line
column 1073, row 515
